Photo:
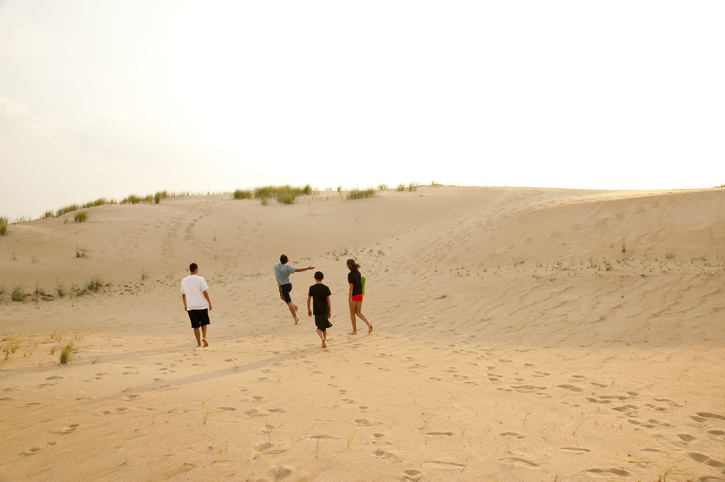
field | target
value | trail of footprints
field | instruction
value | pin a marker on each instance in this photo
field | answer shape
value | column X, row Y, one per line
column 627, row 403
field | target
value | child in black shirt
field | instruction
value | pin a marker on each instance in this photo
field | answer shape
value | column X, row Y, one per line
column 319, row 294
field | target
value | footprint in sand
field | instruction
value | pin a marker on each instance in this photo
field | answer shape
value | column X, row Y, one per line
column 704, row 459
column 521, row 462
column 687, row 438
column 605, row 472
column 414, row 475
column 711, row 415
column 575, row 450
column 66, row 430
column 268, row 448
column 440, row 434
column 512, row 435
column 573, row 388
column 37, row 448
column 383, row 454
column 363, row 421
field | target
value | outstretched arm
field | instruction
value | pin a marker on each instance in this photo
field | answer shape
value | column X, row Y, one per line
column 304, row 269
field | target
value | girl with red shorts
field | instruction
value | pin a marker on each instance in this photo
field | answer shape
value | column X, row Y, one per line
column 355, row 297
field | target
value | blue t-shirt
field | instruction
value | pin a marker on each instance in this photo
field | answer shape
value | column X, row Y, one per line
column 282, row 272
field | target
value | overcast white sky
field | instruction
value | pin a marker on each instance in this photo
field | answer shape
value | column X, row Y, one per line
column 111, row 98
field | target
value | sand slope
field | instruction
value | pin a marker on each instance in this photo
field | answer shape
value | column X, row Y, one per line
column 520, row 334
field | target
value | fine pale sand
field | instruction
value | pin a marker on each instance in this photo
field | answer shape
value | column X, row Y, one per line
column 520, row 335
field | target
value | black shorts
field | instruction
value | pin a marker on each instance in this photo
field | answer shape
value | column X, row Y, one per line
column 284, row 292
column 199, row 318
column 322, row 321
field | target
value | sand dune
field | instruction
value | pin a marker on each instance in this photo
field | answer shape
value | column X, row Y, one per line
column 520, row 334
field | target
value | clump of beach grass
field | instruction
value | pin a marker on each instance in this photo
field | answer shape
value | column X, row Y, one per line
column 243, row 194
column 159, row 195
column 60, row 288
column 41, row 294
column 12, row 343
column 80, row 216
column 94, row 284
column 98, row 202
column 400, row 187
column 68, row 353
column 361, row 193
column 133, row 199
column 67, row 209
column 81, row 252
column 3, row 225
column 285, row 194
column 18, row 294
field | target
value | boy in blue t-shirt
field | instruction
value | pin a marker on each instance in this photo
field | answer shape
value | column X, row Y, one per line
column 281, row 273
column 319, row 294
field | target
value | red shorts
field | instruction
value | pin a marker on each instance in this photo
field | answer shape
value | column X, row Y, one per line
column 357, row 298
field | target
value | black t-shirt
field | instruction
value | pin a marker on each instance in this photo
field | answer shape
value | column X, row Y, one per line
column 354, row 278
column 319, row 293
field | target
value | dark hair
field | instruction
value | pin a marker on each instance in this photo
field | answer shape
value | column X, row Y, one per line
column 352, row 265
column 319, row 275
column 283, row 259
column 193, row 267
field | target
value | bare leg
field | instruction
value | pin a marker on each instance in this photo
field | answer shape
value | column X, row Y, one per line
column 197, row 334
column 293, row 309
column 358, row 312
column 203, row 335
column 352, row 318
column 323, row 337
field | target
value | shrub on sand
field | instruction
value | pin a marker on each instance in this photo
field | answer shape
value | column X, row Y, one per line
column 80, row 217
column 3, row 225
column 401, row 187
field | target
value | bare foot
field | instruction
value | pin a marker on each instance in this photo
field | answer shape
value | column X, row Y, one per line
column 323, row 344
column 206, row 344
column 353, row 333
column 370, row 329
column 296, row 307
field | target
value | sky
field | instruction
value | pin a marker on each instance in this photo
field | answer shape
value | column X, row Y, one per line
column 110, row 98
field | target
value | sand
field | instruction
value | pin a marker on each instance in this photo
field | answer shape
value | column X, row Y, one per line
column 520, row 335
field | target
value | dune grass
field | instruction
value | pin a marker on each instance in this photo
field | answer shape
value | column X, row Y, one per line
column 80, row 216
column 243, row 194
column 3, row 225
column 284, row 194
column 18, row 294
column 68, row 353
column 361, row 193
column 94, row 284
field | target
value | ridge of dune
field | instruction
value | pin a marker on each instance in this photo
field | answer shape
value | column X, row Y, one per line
column 520, row 334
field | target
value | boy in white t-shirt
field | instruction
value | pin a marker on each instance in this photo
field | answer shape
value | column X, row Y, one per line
column 196, row 303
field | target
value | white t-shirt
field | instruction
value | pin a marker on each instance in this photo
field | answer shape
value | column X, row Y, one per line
column 193, row 286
